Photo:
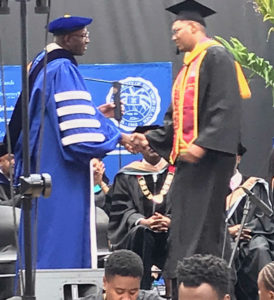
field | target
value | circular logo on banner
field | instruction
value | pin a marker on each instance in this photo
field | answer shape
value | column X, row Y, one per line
column 141, row 101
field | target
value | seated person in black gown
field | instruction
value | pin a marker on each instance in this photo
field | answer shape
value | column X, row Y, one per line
column 256, row 247
column 271, row 173
column 140, row 210
column 7, row 230
column 6, row 171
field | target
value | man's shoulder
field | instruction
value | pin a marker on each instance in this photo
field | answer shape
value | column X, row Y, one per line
column 219, row 51
column 253, row 181
column 144, row 295
column 63, row 63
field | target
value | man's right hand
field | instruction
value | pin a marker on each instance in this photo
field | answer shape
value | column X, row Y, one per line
column 139, row 141
column 156, row 222
column 127, row 143
column 135, row 142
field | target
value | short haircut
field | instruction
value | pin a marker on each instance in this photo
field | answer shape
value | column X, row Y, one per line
column 124, row 263
column 267, row 276
column 198, row 269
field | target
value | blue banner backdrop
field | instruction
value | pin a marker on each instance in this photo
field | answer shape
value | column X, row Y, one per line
column 11, row 90
column 145, row 92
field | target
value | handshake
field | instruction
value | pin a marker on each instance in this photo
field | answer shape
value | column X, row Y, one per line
column 134, row 142
column 137, row 142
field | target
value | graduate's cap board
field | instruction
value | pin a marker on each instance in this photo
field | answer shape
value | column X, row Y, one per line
column 191, row 10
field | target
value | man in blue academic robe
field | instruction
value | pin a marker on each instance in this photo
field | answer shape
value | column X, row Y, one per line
column 74, row 131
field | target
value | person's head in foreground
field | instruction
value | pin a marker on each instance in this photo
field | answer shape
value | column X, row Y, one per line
column 123, row 274
column 203, row 277
column 266, row 282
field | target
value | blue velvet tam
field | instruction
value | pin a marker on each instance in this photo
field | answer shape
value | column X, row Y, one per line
column 68, row 24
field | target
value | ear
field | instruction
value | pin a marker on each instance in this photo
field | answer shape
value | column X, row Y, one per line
column 227, row 297
column 194, row 27
column 271, row 294
column 66, row 39
column 104, row 282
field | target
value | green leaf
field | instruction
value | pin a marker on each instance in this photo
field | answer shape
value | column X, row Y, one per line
column 266, row 8
column 249, row 60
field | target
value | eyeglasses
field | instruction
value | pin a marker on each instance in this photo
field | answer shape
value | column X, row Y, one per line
column 83, row 36
column 176, row 31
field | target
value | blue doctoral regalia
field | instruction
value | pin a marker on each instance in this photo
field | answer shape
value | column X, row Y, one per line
column 74, row 132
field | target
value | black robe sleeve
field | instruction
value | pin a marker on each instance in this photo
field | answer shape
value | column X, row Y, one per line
column 161, row 140
column 219, row 117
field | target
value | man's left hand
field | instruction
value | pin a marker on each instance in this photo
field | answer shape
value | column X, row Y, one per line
column 107, row 109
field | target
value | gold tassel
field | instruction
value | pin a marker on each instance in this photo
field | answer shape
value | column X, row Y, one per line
column 243, row 85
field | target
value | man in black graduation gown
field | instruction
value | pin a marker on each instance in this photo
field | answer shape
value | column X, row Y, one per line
column 256, row 247
column 200, row 135
column 140, row 210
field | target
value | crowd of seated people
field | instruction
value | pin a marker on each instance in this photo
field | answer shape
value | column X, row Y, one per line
column 137, row 214
column 130, row 223
column 256, row 246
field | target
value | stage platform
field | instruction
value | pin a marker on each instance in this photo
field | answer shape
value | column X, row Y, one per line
column 67, row 284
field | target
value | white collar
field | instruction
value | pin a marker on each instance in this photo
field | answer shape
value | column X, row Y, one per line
column 235, row 180
column 52, row 46
column 159, row 166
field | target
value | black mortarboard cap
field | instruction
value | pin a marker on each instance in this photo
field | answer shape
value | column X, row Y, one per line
column 191, row 10
column 145, row 128
column 241, row 149
column 68, row 24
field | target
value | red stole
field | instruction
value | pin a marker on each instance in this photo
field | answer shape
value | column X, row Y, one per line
column 185, row 99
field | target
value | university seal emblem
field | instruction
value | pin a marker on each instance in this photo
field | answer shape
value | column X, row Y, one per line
column 141, row 101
